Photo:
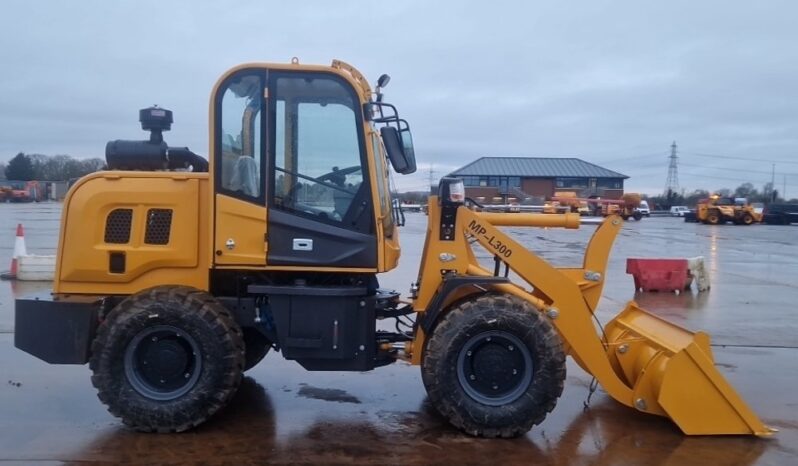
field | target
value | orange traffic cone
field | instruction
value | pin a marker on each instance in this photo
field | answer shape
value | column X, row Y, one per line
column 19, row 250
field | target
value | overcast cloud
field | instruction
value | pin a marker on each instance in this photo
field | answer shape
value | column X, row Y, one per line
column 610, row 82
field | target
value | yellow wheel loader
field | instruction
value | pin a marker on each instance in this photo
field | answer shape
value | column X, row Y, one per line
column 175, row 275
column 719, row 210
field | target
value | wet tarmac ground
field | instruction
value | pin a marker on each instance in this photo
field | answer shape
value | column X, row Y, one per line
column 285, row 415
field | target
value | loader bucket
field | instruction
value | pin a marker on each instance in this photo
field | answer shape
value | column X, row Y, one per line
column 672, row 373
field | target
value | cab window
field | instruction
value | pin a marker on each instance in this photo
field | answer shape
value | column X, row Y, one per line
column 382, row 177
column 318, row 170
column 239, row 137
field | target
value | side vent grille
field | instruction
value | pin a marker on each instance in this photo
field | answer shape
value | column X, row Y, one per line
column 117, row 226
column 159, row 225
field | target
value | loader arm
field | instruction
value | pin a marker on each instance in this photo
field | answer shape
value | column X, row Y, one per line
column 639, row 359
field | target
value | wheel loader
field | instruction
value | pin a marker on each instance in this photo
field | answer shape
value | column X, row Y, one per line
column 719, row 210
column 175, row 275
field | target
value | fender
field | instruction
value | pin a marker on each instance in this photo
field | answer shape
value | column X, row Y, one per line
column 450, row 284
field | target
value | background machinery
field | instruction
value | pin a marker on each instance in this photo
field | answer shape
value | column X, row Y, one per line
column 717, row 210
column 626, row 207
column 174, row 276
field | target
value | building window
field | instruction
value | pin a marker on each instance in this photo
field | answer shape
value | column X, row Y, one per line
column 492, row 181
column 580, row 183
column 609, row 183
column 470, row 180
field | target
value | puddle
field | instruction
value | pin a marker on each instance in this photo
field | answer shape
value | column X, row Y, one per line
column 327, row 394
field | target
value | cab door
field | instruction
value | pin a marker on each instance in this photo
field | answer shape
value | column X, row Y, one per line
column 321, row 212
column 239, row 170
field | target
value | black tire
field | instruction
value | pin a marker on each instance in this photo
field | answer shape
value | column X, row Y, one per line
column 637, row 216
column 151, row 339
column 479, row 336
column 256, row 347
column 713, row 217
column 747, row 219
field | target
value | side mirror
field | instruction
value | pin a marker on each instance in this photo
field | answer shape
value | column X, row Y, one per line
column 407, row 148
column 395, row 147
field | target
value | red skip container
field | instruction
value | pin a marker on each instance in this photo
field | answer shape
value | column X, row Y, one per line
column 659, row 274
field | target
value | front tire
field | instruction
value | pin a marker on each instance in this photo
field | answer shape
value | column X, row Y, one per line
column 494, row 366
column 167, row 358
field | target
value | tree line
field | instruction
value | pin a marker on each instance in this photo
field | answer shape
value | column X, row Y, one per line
column 40, row 167
column 767, row 195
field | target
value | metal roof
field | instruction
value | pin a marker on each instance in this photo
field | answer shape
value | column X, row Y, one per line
column 540, row 167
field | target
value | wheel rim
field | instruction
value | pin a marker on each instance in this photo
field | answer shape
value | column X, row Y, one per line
column 163, row 362
column 494, row 368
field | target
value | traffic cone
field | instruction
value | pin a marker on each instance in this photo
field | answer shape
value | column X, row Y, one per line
column 19, row 250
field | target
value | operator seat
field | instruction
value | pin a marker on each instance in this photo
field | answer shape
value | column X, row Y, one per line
column 245, row 176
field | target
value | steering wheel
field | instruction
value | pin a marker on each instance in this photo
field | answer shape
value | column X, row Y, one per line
column 329, row 176
column 323, row 179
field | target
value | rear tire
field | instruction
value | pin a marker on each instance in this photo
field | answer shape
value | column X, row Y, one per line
column 167, row 358
column 494, row 366
column 637, row 216
column 713, row 218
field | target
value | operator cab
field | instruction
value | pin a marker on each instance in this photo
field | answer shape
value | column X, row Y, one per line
column 302, row 143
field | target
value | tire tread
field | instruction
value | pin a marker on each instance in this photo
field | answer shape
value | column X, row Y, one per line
column 459, row 409
column 159, row 418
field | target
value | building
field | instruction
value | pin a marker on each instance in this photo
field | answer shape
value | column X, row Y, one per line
column 497, row 180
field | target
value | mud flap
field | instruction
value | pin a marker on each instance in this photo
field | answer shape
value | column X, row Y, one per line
column 672, row 373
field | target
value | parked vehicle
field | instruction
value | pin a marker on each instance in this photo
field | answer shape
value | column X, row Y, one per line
column 22, row 191
column 644, row 209
column 627, row 207
column 679, row 210
column 572, row 201
column 780, row 214
column 718, row 210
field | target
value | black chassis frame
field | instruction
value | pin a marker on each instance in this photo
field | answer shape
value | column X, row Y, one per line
column 329, row 327
column 321, row 326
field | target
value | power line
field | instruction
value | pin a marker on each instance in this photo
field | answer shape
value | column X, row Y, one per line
column 632, row 157
column 647, row 174
column 744, row 180
column 736, row 169
column 755, row 159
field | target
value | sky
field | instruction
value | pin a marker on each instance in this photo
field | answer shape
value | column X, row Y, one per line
column 611, row 82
